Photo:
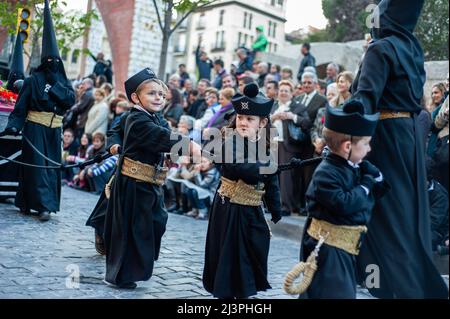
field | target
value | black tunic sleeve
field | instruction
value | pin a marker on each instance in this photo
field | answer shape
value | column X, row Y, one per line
column 19, row 114
column 272, row 196
column 331, row 194
column 373, row 76
column 154, row 137
column 63, row 94
column 115, row 134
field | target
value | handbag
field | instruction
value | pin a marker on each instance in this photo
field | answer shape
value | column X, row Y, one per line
column 296, row 133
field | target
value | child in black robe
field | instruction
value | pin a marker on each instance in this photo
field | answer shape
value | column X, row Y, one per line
column 135, row 218
column 238, row 238
column 340, row 200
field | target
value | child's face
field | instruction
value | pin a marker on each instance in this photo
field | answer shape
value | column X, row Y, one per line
column 68, row 137
column 152, row 96
column 183, row 128
column 84, row 140
column 360, row 150
column 248, row 125
column 97, row 143
column 331, row 93
column 205, row 164
column 98, row 96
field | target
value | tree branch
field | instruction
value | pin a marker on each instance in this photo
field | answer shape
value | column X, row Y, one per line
column 158, row 15
column 187, row 14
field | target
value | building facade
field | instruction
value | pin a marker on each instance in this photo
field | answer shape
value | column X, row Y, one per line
column 226, row 25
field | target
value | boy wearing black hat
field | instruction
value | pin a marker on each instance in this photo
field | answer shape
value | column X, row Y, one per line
column 340, row 199
column 238, row 238
column 135, row 218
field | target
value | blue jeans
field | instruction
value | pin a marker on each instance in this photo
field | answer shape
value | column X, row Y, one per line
column 200, row 204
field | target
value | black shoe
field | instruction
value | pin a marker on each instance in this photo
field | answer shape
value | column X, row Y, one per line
column 44, row 216
column 173, row 208
column 25, row 211
column 99, row 244
column 285, row 213
column 128, row 285
column 180, row 211
column 303, row 212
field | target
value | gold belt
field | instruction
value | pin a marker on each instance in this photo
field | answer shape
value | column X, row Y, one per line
column 240, row 193
column 386, row 114
column 347, row 238
column 48, row 119
column 143, row 172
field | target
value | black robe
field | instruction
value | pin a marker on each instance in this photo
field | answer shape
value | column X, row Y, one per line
column 113, row 136
column 135, row 218
column 399, row 240
column 97, row 217
column 238, row 237
column 335, row 195
column 40, row 189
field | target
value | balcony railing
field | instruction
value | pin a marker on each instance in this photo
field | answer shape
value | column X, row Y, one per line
column 218, row 47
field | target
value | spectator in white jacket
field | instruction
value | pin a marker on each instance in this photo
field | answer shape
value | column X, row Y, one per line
column 97, row 120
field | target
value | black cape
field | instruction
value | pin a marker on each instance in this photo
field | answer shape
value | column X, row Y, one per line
column 135, row 218
column 40, row 189
column 238, row 237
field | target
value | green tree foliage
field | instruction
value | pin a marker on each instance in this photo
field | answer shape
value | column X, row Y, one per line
column 69, row 26
column 346, row 19
column 168, row 24
column 432, row 29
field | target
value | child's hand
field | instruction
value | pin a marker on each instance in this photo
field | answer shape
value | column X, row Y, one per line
column 276, row 217
column 70, row 158
column 369, row 168
column 114, row 150
column 89, row 172
column 368, row 181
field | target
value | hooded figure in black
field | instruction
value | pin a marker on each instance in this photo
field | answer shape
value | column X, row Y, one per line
column 238, row 238
column 391, row 79
column 16, row 70
column 44, row 98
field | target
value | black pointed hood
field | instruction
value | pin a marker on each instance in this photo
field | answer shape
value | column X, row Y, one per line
column 49, row 44
column 405, row 13
column 16, row 69
column 397, row 21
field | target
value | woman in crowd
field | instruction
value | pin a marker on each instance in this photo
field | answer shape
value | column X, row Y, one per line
column 344, row 82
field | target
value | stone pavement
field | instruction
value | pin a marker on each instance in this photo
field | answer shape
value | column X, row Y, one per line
column 40, row 260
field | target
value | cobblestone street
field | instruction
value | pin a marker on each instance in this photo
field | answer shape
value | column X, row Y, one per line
column 37, row 260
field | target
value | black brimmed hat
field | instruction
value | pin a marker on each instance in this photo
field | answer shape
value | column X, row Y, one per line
column 253, row 102
column 351, row 120
column 134, row 81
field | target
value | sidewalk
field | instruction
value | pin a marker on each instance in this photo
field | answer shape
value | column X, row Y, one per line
column 291, row 227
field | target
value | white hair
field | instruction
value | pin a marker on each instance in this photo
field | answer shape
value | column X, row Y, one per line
column 309, row 75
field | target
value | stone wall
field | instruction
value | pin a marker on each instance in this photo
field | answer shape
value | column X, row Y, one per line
column 146, row 38
column 437, row 71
